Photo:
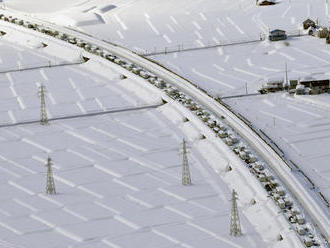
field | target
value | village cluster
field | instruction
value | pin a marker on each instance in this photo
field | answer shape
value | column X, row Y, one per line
column 313, row 28
column 310, row 85
column 303, row 86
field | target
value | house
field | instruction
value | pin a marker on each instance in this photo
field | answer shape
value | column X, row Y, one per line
column 322, row 32
column 277, row 34
column 272, row 85
column 316, row 86
column 265, row 2
column 309, row 23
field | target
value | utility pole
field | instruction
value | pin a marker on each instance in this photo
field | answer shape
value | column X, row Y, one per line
column 43, row 112
column 235, row 225
column 50, row 188
column 186, row 178
column 246, row 88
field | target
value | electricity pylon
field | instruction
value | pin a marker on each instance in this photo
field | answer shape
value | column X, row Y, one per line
column 286, row 83
column 50, row 188
column 43, row 110
column 235, row 225
column 186, row 178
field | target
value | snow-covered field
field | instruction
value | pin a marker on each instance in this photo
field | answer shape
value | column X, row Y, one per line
column 145, row 26
column 222, row 71
column 239, row 69
column 297, row 124
column 117, row 175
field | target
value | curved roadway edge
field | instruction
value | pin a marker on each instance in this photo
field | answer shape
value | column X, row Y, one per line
column 316, row 212
column 265, row 151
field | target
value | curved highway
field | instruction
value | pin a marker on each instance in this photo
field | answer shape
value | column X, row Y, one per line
column 318, row 213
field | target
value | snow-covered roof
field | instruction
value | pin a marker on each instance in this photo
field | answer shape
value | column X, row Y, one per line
column 273, row 80
column 264, row 1
column 277, row 31
column 308, row 21
column 315, row 77
column 307, row 78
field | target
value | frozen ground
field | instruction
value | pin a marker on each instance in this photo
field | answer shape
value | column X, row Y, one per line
column 232, row 70
column 143, row 25
column 299, row 125
column 118, row 175
column 301, row 122
column 146, row 27
column 40, row 6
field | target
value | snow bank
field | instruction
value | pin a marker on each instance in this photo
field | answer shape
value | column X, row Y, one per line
column 40, row 6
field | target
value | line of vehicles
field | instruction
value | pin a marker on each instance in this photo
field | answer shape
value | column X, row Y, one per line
column 218, row 125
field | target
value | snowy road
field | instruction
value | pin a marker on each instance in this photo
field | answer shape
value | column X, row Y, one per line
column 313, row 208
column 117, row 175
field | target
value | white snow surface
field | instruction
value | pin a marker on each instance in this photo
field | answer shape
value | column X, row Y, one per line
column 32, row 6
column 297, row 124
column 117, row 175
column 159, row 26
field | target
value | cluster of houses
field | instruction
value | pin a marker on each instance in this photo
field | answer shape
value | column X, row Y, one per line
column 312, row 28
column 302, row 86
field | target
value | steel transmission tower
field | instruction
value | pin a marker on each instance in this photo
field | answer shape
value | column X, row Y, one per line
column 43, row 112
column 50, row 188
column 235, row 225
column 186, row 179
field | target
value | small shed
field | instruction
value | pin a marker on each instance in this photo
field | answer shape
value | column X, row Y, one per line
column 322, row 33
column 277, row 34
column 309, row 23
column 272, row 85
